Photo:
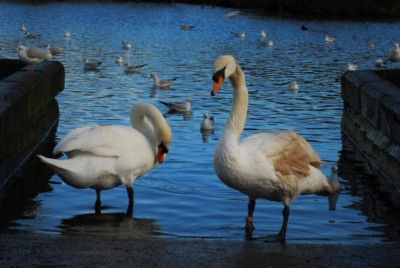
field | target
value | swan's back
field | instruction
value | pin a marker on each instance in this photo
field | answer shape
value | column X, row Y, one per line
column 289, row 153
column 105, row 141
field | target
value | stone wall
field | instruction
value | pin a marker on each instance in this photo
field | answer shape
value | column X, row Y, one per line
column 28, row 113
column 371, row 120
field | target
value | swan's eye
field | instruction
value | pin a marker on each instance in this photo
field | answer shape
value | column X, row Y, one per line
column 163, row 147
column 218, row 74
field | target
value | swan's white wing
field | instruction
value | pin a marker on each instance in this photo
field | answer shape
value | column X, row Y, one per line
column 289, row 153
column 102, row 140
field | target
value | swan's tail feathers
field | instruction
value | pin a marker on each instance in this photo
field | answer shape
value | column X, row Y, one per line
column 55, row 164
column 63, row 168
column 335, row 185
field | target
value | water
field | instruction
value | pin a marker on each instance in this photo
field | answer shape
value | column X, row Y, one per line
column 183, row 197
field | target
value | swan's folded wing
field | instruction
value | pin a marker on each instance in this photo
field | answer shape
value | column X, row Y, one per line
column 289, row 153
column 102, row 140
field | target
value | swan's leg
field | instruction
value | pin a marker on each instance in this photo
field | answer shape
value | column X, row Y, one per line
column 282, row 232
column 97, row 204
column 130, row 192
column 249, row 218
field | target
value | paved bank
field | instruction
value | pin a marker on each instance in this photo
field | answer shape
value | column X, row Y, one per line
column 25, row 249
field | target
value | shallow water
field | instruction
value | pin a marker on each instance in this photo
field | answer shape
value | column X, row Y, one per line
column 183, row 197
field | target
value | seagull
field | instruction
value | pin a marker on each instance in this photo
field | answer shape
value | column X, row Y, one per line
column 119, row 60
column 22, row 28
column 329, row 39
column 178, row 106
column 380, row 63
column 67, row 34
column 129, row 69
column 351, row 67
column 186, row 27
column 263, row 34
column 90, row 65
column 293, row 86
column 29, row 35
column 161, row 83
column 232, row 14
column 268, row 43
column 54, row 50
column 394, row 53
column 126, row 45
column 33, row 56
column 240, row 35
column 207, row 123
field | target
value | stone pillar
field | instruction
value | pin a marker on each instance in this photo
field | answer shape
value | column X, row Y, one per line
column 371, row 120
column 28, row 113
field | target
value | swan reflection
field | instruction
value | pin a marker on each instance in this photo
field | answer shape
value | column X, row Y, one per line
column 109, row 223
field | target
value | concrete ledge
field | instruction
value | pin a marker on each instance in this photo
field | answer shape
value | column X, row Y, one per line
column 371, row 120
column 28, row 112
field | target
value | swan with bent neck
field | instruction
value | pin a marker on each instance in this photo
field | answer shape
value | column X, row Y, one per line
column 277, row 166
column 103, row 157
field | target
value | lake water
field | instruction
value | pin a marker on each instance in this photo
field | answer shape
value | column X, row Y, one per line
column 183, row 197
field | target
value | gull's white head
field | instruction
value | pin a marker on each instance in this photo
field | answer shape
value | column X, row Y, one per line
column 21, row 49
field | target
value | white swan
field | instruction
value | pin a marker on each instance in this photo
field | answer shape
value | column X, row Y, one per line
column 103, row 157
column 277, row 166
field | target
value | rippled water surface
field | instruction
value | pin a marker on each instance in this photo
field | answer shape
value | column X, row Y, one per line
column 183, row 197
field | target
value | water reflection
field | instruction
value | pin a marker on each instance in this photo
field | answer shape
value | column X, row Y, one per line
column 374, row 203
column 30, row 181
column 112, row 224
column 205, row 133
column 186, row 116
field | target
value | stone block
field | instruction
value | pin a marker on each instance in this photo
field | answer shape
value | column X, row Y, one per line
column 28, row 110
column 390, row 117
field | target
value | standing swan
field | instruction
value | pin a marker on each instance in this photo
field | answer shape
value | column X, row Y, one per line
column 103, row 157
column 277, row 166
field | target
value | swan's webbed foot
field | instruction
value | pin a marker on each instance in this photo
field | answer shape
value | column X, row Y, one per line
column 282, row 233
column 249, row 219
column 249, row 228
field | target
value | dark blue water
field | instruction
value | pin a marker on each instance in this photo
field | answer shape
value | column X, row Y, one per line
column 183, row 197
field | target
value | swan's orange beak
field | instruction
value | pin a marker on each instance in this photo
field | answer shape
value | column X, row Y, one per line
column 217, row 85
column 161, row 153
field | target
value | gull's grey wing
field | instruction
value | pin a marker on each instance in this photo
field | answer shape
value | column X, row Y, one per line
column 37, row 53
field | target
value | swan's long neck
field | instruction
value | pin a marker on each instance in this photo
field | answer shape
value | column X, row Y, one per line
column 153, row 129
column 237, row 118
